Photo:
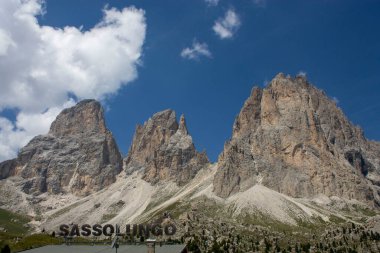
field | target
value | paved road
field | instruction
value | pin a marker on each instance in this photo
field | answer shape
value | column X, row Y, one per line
column 104, row 249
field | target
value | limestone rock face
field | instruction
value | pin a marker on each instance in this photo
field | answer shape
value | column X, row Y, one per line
column 163, row 148
column 78, row 155
column 292, row 138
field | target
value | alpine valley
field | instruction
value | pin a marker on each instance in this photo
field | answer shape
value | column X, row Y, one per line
column 295, row 176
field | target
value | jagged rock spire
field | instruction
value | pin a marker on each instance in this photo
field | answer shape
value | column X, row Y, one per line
column 164, row 150
column 182, row 125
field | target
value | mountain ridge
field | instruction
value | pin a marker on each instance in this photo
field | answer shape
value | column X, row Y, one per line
column 294, row 161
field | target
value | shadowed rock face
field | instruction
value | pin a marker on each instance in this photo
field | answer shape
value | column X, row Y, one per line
column 78, row 155
column 164, row 150
column 292, row 138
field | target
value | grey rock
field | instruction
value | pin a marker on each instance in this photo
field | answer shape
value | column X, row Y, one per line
column 78, row 155
column 164, row 150
column 292, row 138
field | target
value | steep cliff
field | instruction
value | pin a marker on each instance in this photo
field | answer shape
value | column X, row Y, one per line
column 292, row 138
column 164, row 150
column 78, row 155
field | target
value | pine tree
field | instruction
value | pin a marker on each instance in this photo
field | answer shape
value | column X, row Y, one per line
column 6, row 249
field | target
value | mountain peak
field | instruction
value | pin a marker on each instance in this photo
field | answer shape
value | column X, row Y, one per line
column 280, row 75
column 164, row 114
column 85, row 117
column 79, row 155
column 164, row 150
column 292, row 138
column 282, row 81
column 182, row 125
column 165, row 119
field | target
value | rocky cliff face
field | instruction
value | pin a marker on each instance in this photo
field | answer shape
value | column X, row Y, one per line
column 164, row 150
column 78, row 155
column 292, row 138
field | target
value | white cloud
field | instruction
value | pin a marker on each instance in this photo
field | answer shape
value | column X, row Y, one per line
column 27, row 125
column 226, row 27
column 212, row 2
column 302, row 73
column 5, row 42
column 41, row 65
column 336, row 100
column 196, row 51
column 260, row 3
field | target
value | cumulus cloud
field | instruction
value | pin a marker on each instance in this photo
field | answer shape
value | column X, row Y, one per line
column 14, row 135
column 227, row 26
column 196, row 51
column 5, row 42
column 43, row 67
column 212, row 2
column 302, row 73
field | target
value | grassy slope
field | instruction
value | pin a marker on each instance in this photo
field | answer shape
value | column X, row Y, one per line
column 13, row 223
column 17, row 235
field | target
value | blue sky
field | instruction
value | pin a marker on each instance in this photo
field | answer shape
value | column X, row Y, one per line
column 337, row 43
